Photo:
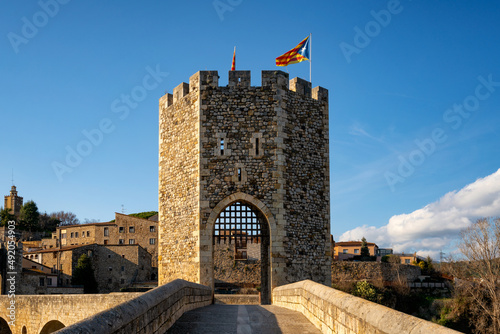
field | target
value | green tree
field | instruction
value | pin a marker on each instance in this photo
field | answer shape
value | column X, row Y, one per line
column 29, row 217
column 84, row 275
column 367, row 291
column 5, row 216
column 365, row 252
column 429, row 264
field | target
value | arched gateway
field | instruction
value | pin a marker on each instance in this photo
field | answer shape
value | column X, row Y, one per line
column 261, row 151
column 241, row 245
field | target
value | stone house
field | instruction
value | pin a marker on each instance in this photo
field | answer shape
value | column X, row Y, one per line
column 409, row 258
column 115, row 266
column 36, row 278
column 125, row 230
column 345, row 250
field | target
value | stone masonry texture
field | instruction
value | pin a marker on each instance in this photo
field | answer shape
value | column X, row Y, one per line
column 265, row 146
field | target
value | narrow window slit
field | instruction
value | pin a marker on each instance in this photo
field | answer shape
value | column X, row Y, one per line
column 239, row 174
column 222, row 146
column 256, row 146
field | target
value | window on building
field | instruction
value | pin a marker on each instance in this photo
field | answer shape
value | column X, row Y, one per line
column 131, row 241
column 106, row 242
column 76, row 234
column 88, row 233
column 131, row 229
column 121, row 241
column 407, row 261
column 110, row 281
column 152, row 229
column 110, row 269
column 49, row 281
column 222, row 146
column 123, row 255
column 54, row 268
column 42, row 281
column 90, row 253
column 152, row 241
column 54, row 255
column 109, row 256
column 356, row 251
column 63, row 236
column 344, row 251
column 72, row 235
column 121, row 229
column 123, row 268
column 106, row 232
column 122, row 281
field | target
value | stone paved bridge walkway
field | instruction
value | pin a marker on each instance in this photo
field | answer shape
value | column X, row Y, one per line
column 243, row 319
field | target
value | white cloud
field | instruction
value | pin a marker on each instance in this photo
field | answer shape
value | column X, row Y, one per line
column 357, row 130
column 435, row 226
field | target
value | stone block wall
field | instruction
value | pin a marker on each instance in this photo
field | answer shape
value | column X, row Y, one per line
column 265, row 146
column 333, row 311
column 117, row 266
column 179, row 182
column 373, row 271
column 145, row 233
column 229, row 270
column 307, row 191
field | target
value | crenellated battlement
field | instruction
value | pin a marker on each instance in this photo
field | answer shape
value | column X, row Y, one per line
column 275, row 80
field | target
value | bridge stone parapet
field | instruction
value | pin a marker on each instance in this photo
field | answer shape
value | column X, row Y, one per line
column 334, row 311
column 44, row 313
column 152, row 312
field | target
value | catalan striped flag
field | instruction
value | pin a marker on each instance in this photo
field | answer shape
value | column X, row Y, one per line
column 295, row 55
column 233, row 66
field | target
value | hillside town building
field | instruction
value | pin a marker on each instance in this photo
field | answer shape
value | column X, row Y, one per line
column 13, row 202
column 115, row 266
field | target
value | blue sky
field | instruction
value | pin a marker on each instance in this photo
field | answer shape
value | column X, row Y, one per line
column 414, row 102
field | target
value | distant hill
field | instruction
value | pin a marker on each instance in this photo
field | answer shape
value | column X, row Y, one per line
column 144, row 215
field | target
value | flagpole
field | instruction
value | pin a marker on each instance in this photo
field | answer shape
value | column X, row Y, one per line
column 310, row 58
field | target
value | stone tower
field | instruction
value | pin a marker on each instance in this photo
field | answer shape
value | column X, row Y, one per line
column 13, row 202
column 265, row 147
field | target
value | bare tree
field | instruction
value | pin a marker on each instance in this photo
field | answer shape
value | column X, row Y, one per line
column 66, row 218
column 480, row 245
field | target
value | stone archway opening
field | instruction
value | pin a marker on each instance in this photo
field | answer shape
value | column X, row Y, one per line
column 241, row 256
column 52, row 326
column 4, row 327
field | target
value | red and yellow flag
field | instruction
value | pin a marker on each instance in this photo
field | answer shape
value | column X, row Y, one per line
column 233, row 66
column 295, row 55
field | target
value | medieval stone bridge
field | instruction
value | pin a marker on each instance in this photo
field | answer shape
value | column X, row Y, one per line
column 181, row 306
